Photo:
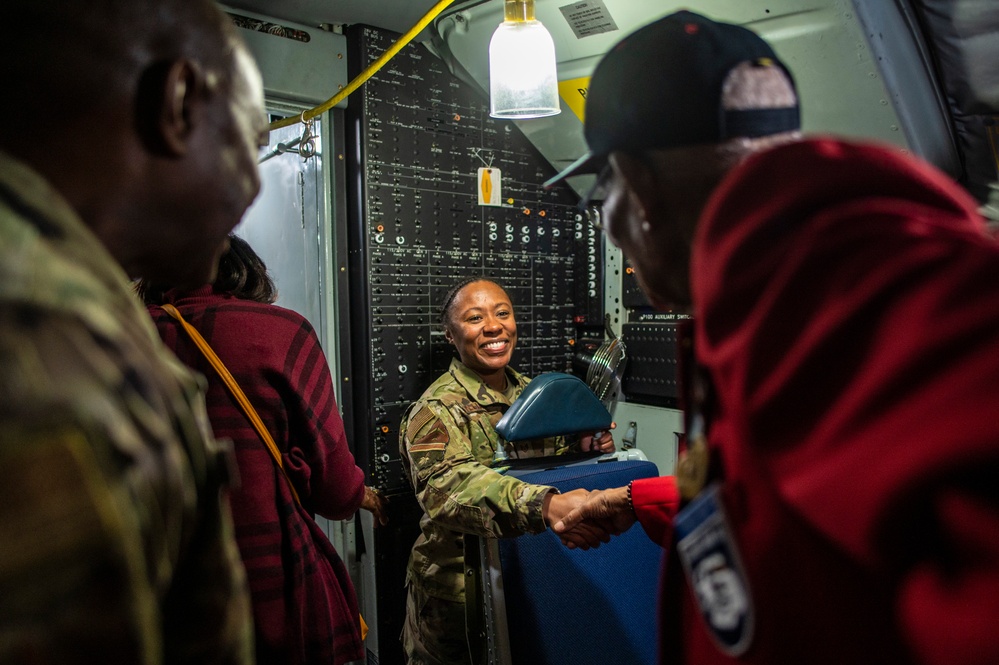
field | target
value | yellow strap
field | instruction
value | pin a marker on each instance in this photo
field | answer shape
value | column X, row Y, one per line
column 370, row 71
column 236, row 391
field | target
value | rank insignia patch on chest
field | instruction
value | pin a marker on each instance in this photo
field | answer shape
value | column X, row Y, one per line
column 715, row 573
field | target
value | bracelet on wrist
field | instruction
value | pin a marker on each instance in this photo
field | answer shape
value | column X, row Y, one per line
column 631, row 504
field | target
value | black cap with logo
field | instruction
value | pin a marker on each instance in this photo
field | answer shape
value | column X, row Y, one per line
column 661, row 87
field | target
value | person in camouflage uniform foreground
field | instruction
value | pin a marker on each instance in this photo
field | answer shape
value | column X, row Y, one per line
column 128, row 148
column 448, row 443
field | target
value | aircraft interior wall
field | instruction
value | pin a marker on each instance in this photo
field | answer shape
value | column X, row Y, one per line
column 420, row 220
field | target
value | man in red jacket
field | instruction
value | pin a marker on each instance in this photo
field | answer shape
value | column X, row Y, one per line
column 840, row 502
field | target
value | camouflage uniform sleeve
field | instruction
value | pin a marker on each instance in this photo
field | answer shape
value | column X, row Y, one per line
column 207, row 616
column 73, row 570
column 455, row 489
column 64, row 527
column 89, row 565
column 564, row 444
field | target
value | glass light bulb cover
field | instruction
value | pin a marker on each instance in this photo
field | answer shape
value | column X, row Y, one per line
column 522, row 78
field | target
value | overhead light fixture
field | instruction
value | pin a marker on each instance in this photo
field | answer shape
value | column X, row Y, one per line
column 522, row 79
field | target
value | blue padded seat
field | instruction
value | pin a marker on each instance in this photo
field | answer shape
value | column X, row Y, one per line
column 572, row 606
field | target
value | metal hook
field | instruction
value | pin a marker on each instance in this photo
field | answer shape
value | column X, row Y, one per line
column 306, row 143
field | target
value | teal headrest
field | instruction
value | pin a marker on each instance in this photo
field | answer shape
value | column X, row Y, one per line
column 553, row 404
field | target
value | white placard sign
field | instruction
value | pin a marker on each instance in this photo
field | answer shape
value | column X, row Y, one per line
column 588, row 17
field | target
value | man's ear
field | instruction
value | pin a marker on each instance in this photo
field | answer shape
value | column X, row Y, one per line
column 183, row 95
column 170, row 100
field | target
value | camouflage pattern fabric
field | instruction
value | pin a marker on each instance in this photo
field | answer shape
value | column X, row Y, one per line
column 115, row 545
column 448, row 441
column 434, row 633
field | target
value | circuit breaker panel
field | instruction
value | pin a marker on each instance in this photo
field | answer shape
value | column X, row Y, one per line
column 438, row 191
column 444, row 191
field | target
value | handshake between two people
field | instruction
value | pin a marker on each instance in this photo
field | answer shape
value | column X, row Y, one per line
column 584, row 518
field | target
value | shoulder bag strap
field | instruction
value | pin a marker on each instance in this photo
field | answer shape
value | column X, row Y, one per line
column 236, row 391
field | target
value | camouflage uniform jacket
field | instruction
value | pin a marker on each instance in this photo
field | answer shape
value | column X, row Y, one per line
column 115, row 543
column 447, row 443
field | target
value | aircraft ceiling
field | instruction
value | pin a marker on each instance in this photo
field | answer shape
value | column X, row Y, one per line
column 936, row 60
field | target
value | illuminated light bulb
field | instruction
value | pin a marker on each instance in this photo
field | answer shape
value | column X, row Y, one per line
column 522, row 78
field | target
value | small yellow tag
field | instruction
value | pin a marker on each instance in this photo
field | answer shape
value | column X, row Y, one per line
column 490, row 186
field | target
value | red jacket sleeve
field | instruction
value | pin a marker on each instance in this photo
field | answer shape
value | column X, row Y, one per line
column 656, row 502
column 318, row 457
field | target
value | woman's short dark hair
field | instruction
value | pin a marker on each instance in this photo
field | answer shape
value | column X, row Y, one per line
column 242, row 274
column 453, row 292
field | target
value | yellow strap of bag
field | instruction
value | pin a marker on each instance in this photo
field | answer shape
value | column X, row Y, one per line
column 236, row 391
column 244, row 403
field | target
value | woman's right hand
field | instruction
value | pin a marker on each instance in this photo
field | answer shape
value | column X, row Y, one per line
column 374, row 502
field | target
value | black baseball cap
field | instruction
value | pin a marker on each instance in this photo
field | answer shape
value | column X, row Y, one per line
column 661, row 87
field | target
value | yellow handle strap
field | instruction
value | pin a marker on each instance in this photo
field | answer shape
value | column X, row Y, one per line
column 370, row 71
column 236, row 391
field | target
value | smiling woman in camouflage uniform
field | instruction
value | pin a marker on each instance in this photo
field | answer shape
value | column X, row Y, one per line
column 448, row 444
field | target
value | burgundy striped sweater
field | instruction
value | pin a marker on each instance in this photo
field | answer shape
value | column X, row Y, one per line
column 304, row 605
